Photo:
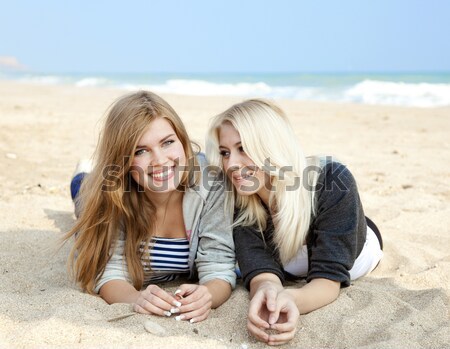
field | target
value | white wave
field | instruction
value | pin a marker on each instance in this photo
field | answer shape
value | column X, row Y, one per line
column 92, row 82
column 206, row 88
column 365, row 92
column 399, row 93
column 245, row 89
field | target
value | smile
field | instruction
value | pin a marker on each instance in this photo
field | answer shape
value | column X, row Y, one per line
column 163, row 175
column 239, row 178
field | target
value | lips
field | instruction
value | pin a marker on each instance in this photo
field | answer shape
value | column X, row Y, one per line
column 237, row 177
column 164, row 174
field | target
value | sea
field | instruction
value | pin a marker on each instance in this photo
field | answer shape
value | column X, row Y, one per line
column 426, row 90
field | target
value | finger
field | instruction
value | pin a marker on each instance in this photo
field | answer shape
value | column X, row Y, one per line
column 150, row 302
column 271, row 299
column 290, row 324
column 284, row 305
column 280, row 338
column 160, row 294
column 179, row 294
column 194, row 293
column 138, row 309
column 257, row 304
column 257, row 332
column 185, row 290
column 202, row 317
column 147, row 308
column 284, row 327
column 204, row 301
column 273, row 317
column 197, row 315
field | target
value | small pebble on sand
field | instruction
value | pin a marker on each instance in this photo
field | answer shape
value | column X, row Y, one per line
column 154, row 328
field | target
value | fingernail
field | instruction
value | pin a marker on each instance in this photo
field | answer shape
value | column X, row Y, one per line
column 176, row 303
column 191, row 321
column 167, row 313
column 174, row 310
column 179, row 317
column 176, row 293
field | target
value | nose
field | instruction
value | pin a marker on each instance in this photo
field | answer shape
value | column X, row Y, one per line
column 158, row 158
column 234, row 162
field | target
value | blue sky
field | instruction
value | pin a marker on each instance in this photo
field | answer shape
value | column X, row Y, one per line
column 227, row 36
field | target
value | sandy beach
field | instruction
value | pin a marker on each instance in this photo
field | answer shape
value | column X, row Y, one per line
column 398, row 156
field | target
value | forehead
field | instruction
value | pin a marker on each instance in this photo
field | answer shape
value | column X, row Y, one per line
column 228, row 135
column 156, row 130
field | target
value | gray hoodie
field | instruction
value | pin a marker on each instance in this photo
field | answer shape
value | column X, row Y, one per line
column 211, row 247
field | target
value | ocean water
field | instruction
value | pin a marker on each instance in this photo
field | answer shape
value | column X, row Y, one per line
column 400, row 89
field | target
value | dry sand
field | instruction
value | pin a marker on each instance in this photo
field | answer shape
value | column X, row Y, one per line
column 398, row 156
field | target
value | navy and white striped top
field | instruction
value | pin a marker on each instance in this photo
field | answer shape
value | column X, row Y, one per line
column 165, row 259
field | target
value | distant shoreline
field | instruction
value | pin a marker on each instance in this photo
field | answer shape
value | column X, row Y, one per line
column 417, row 89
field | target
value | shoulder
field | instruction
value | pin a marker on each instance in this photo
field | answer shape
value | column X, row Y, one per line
column 335, row 186
column 334, row 177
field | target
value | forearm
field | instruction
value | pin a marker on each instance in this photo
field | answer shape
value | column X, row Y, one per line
column 119, row 291
column 315, row 294
column 263, row 279
column 220, row 291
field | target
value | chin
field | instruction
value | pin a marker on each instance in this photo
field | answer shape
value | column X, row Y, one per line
column 162, row 187
column 245, row 192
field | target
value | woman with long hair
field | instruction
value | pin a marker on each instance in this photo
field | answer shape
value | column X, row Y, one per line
column 295, row 217
column 145, row 216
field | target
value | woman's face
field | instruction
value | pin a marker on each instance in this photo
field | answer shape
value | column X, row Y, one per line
column 159, row 158
column 246, row 177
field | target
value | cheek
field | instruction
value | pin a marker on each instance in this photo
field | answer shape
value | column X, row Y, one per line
column 138, row 162
column 225, row 164
column 179, row 154
column 263, row 178
column 137, row 173
column 226, row 168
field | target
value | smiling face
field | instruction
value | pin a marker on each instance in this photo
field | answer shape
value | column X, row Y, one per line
column 159, row 159
column 246, row 177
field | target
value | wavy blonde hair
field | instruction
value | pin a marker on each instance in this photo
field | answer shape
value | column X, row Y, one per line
column 267, row 135
column 110, row 201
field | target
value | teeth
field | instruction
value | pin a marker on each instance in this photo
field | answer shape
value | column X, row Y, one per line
column 160, row 175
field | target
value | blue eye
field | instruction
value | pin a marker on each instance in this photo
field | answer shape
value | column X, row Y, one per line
column 139, row 152
column 168, row 142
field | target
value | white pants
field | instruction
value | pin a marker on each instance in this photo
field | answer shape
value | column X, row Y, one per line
column 367, row 260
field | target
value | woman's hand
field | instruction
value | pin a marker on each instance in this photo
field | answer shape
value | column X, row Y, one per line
column 154, row 300
column 196, row 302
column 271, row 308
column 284, row 319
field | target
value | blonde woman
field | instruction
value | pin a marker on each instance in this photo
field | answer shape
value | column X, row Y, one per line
column 295, row 217
column 145, row 216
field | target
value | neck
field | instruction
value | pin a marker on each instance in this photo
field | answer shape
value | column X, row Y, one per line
column 163, row 200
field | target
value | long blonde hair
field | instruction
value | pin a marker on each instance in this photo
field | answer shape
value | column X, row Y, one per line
column 269, row 139
column 110, row 200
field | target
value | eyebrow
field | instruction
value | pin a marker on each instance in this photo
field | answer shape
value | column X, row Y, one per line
column 222, row 146
column 161, row 141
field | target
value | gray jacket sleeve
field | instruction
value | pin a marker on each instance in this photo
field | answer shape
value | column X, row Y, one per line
column 116, row 268
column 215, row 255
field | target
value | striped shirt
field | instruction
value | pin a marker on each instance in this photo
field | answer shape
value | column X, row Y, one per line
column 165, row 259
